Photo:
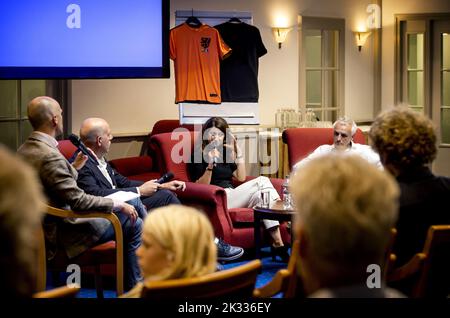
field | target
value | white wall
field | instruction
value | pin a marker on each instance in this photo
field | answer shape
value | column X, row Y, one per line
column 133, row 106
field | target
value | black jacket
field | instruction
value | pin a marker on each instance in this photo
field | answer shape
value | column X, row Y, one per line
column 423, row 202
column 92, row 180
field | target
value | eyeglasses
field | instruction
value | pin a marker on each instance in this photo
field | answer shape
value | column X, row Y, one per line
column 337, row 133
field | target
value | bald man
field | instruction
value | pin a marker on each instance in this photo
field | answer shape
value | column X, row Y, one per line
column 59, row 179
column 103, row 180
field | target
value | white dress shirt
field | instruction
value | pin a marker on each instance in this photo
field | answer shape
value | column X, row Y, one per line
column 364, row 151
column 102, row 167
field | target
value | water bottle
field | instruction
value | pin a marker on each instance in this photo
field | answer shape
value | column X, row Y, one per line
column 286, row 194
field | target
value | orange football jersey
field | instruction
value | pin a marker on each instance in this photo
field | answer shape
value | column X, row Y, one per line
column 196, row 53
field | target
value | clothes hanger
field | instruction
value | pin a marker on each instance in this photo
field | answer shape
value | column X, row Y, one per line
column 235, row 20
column 193, row 21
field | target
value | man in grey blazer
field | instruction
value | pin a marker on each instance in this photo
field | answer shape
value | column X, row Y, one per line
column 59, row 179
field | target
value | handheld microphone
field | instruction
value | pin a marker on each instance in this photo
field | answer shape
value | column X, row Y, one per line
column 165, row 178
column 75, row 140
column 215, row 145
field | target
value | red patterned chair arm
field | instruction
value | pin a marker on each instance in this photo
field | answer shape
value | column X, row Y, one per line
column 205, row 193
column 132, row 165
column 211, row 200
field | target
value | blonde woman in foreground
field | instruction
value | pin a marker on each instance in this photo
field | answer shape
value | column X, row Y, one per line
column 177, row 242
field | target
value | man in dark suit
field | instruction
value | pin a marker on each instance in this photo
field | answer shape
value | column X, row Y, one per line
column 103, row 180
column 58, row 178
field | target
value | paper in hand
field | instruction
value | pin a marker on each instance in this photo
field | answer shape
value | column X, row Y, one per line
column 123, row 196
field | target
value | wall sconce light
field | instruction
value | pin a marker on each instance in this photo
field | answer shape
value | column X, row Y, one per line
column 280, row 35
column 361, row 38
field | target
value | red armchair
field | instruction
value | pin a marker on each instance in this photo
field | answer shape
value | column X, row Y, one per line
column 302, row 141
column 235, row 226
column 144, row 168
column 67, row 148
column 141, row 168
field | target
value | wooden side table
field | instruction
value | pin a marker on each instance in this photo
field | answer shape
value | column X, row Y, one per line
column 274, row 212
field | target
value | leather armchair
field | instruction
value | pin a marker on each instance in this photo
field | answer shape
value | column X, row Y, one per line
column 235, row 226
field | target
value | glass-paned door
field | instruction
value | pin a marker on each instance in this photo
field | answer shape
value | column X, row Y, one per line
column 413, row 64
column 322, row 67
column 440, row 93
column 415, row 71
column 444, row 107
column 423, row 63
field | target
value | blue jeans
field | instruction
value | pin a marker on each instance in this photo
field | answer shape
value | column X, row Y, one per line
column 160, row 198
column 131, row 241
column 139, row 206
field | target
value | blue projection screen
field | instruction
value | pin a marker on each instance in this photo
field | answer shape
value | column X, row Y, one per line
column 84, row 39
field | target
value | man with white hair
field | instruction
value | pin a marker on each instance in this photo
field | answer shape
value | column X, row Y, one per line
column 343, row 131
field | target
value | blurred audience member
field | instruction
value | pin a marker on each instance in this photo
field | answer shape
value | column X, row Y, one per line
column 21, row 210
column 343, row 224
column 406, row 142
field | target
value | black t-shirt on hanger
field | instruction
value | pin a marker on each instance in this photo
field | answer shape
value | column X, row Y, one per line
column 239, row 72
